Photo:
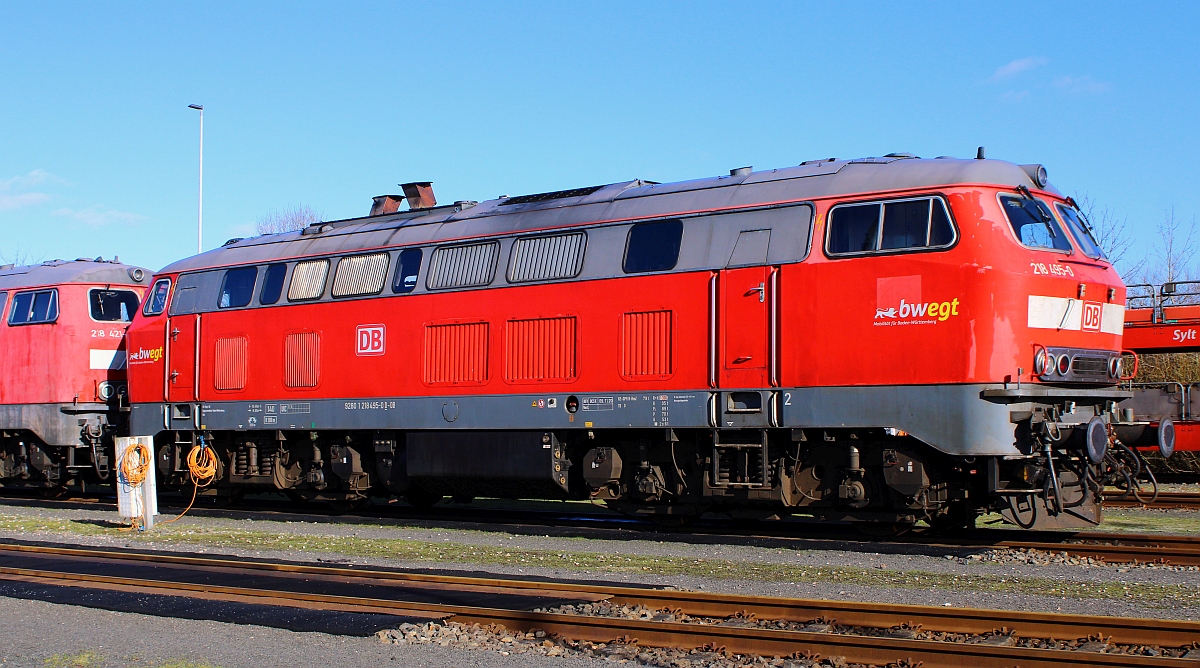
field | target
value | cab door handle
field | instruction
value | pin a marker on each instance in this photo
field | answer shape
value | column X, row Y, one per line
column 761, row 290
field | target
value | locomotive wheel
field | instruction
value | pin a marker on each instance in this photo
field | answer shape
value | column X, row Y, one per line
column 419, row 498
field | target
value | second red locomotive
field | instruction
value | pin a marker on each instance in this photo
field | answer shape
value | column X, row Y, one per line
column 885, row 339
column 63, row 390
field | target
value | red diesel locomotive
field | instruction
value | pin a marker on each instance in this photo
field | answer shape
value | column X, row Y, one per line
column 63, row 391
column 884, row 339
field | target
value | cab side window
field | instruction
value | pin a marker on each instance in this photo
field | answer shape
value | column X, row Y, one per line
column 34, row 307
column 909, row 224
column 112, row 305
column 1033, row 224
column 157, row 301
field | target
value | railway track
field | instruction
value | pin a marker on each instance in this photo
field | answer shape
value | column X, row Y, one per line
column 861, row 633
column 1188, row 500
column 1177, row 550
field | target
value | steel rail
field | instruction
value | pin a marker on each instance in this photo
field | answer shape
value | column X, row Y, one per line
column 1165, row 500
column 1134, row 631
column 1110, row 546
column 739, row 640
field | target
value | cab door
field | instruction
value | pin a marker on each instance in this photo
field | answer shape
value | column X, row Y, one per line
column 746, row 302
column 183, row 358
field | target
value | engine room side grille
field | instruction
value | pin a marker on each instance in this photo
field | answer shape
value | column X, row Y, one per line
column 308, row 280
column 547, row 257
column 557, row 194
column 229, row 371
column 540, row 349
column 463, row 266
column 302, row 353
column 1086, row 365
column 456, row 353
column 360, row 275
column 646, row 345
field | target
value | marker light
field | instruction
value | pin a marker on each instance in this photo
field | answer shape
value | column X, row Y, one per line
column 1114, row 367
column 1041, row 362
column 1064, row 364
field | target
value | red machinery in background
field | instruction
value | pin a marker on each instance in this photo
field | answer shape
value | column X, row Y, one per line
column 1164, row 319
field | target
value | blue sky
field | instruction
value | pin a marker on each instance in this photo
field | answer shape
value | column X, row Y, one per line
column 329, row 105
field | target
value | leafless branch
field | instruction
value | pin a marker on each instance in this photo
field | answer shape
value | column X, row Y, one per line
column 1113, row 235
column 287, row 220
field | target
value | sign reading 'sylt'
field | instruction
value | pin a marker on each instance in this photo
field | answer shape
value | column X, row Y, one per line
column 898, row 301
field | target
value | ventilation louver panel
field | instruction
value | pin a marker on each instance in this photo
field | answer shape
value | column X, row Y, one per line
column 544, row 197
column 230, row 363
column 302, row 359
column 540, row 349
column 647, row 340
column 456, row 353
column 308, row 280
column 546, row 258
column 360, row 275
column 463, row 266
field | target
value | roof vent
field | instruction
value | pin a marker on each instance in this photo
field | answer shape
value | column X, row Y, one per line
column 232, row 241
column 741, row 171
column 419, row 195
column 545, row 197
column 902, row 155
column 385, row 204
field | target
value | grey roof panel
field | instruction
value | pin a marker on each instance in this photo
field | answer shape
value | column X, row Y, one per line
column 618, row 201
column 55, row 272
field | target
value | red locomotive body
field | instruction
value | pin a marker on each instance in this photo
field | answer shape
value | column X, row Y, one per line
column 888, row 339
column 62, row 369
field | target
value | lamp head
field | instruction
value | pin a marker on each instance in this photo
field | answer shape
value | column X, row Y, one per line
column 199, row 107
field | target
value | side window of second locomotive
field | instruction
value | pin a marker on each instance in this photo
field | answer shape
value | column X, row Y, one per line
column 33, row 307
column 653, row 246
column 112, row 305
column 237, row 287
column 3, row 301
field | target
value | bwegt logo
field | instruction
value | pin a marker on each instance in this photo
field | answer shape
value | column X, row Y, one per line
column 899, row 301
column 940, row 310
column 146, row 355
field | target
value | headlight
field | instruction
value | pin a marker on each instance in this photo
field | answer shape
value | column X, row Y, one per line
column 1114, row 367
column 1041, row 362
column 1064, row 364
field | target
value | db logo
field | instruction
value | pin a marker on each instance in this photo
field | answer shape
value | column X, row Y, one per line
column 370, row 340
column 1091, row 316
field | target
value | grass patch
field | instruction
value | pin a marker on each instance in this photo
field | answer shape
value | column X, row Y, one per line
column 451, row 552
column 88, row 659
column 1133, row 520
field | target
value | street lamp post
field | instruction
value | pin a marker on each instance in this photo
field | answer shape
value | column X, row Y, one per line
column 200, row 208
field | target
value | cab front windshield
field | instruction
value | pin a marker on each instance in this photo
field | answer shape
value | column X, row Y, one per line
column 1033, row 224
column 1081, row 231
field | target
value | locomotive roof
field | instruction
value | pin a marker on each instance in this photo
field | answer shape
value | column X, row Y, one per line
column 614, row 202
column 57, row 272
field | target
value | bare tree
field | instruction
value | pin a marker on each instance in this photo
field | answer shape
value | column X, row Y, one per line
column 287, row 220
column 1113, row 235
column 18, row 257
column 1173, row 251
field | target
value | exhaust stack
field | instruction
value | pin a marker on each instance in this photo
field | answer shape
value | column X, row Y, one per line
column 419, row 195
column 385, row 204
